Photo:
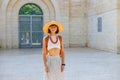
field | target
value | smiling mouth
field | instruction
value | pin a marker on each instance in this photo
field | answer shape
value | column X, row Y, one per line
column 53, row 30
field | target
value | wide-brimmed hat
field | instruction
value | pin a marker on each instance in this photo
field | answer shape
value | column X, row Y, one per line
column 46, row 26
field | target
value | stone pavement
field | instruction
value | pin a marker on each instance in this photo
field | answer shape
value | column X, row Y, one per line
column 81, row 64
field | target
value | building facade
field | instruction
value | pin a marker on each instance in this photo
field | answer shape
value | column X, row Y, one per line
column 87, row 23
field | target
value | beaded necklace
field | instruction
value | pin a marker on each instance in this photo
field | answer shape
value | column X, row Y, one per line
column 54, row 42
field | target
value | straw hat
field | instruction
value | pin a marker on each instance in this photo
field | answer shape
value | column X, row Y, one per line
column 46, row 26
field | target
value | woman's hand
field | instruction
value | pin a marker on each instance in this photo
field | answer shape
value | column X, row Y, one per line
column 46, row 69
column 62, row 68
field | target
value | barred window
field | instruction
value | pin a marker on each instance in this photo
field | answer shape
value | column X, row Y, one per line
column 99, row 24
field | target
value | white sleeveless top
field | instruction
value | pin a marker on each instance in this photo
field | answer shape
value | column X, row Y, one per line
column 51, row 45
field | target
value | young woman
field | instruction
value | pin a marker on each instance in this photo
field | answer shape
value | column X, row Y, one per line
column 53, row 51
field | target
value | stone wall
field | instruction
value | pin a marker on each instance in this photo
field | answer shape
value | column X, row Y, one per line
column 79, row 18
column 105, row 40
column 12, row 14
column 78, row 23
column 0, row 3
column 0, row 22
column 118, row 27
column 63, row 6
column 52, row 10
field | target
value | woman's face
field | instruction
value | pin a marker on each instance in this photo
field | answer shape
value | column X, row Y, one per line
column 53, row 29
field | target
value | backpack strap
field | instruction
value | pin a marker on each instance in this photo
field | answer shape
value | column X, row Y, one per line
column 46, row 41
column 61, row 42
column 60, row 38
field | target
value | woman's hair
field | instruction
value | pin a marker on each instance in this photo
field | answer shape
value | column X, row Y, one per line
column 57, row 31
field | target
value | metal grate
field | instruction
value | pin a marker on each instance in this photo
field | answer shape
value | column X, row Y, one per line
column 30, row 31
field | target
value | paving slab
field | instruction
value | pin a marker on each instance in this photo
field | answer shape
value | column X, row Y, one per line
column 81, row 64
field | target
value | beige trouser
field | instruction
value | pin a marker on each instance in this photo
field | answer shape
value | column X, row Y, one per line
column 54, row 67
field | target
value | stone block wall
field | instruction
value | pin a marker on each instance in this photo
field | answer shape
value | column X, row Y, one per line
column 79, row 18
column 52, row 10
column 64, row 19
column 118, row 26
column 78, row 23
column 106, row 9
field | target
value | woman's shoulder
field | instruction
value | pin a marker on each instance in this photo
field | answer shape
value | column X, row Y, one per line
column 59, row 36
column 46, row 36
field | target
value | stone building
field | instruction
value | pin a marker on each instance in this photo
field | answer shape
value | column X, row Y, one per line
column 87, row 23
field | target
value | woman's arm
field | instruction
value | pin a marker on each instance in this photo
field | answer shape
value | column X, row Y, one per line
column 44, row 55
column 62, row 56
column 62, row 52
column 44, row 52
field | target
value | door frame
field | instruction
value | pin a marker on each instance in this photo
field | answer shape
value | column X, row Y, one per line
column 31, row 31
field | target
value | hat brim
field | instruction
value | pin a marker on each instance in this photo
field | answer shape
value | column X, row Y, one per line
column 46, row 26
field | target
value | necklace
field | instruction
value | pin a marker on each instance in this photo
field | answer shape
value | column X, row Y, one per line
column 53, row 41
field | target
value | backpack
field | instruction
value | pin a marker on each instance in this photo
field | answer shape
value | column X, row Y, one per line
column 46, row 42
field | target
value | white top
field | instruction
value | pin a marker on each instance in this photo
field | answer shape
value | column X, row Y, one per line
column 51, row 45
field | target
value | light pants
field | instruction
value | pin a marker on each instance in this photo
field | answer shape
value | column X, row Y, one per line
column 54, row 67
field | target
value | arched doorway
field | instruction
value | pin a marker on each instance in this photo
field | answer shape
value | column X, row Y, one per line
column 30, row 26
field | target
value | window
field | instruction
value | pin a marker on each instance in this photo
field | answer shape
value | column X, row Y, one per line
column 99, row 24
column 30, row 9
